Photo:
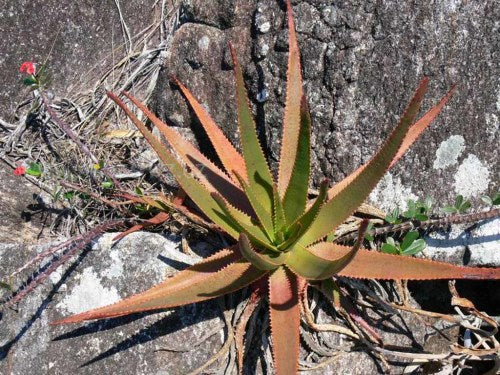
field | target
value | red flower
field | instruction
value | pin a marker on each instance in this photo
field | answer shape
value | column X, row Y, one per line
column 27, row 67
column 19, row 171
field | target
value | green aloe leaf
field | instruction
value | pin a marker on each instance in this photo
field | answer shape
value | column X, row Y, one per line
column 292, row 115
column 243, row 223
column 319, row 261
column 262, row 261
column 278, row 213
column 264, row 215
column 260, row 179
column 196, row 191
column 295, row 199
column 308, row 217
column 338, row 209
column 203, row 169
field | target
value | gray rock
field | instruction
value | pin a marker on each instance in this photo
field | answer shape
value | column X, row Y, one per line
column 20, row 201
column 170, row 342
column 361, row 62
column 137, row 344
column 83, row 34
column 476, row 247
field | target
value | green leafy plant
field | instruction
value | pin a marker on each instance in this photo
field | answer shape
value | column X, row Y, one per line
column 393, row 217
column 418, row 210
column 493, row 200
column 279, row 233
column 34, row 78
column 368, row 236
column 415, row 211
column 107, row 183
column 6, row 286
column 410, row 245
column 461, row 206
column 34, row 169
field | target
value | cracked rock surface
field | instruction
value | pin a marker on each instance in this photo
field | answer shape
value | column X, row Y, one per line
column 137, row 344
column 361, row 62
column 176, row 341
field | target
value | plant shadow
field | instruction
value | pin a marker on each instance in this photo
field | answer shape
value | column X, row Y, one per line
column 166, row 325
column 5, row 349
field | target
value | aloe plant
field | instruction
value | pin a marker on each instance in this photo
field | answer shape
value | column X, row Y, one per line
column 280, row 234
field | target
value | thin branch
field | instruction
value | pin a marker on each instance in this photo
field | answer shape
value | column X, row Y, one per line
column 82, row 146
column 433, row 223
column 75, row 245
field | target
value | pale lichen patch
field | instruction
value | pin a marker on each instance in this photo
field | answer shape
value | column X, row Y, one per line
column 498, row 99
column 472, row 177
column 390, row 193
column 204, row 43
column 492, row 124
column 448, row 152
column 88, row 294
column 55, row 276
column 116, row 268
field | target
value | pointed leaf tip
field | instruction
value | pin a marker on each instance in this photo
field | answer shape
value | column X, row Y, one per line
column 376, row 265
column 259, row 176
column 231, row 159
column 197, row 191
column 353, row 191
column 294, row 96
column 295, row 197
column 221, row 273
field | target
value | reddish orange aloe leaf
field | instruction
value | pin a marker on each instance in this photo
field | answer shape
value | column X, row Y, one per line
column 376, row 265
column 212, row 177
column 222, row 273
column 413, row 133
column 198, row 192
column 228, row 155
column 417, row 129
column 285, row 320
column 294, row 93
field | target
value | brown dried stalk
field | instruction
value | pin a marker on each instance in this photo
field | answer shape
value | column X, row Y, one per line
column 249, row 309
column 433, row 223
column 72, row 247
column 71, row 134
column 116, row 205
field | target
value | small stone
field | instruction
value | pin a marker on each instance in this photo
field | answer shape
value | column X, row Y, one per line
column 262, row 95
column 262, row 23
column 264, row 49
column 204, row 43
